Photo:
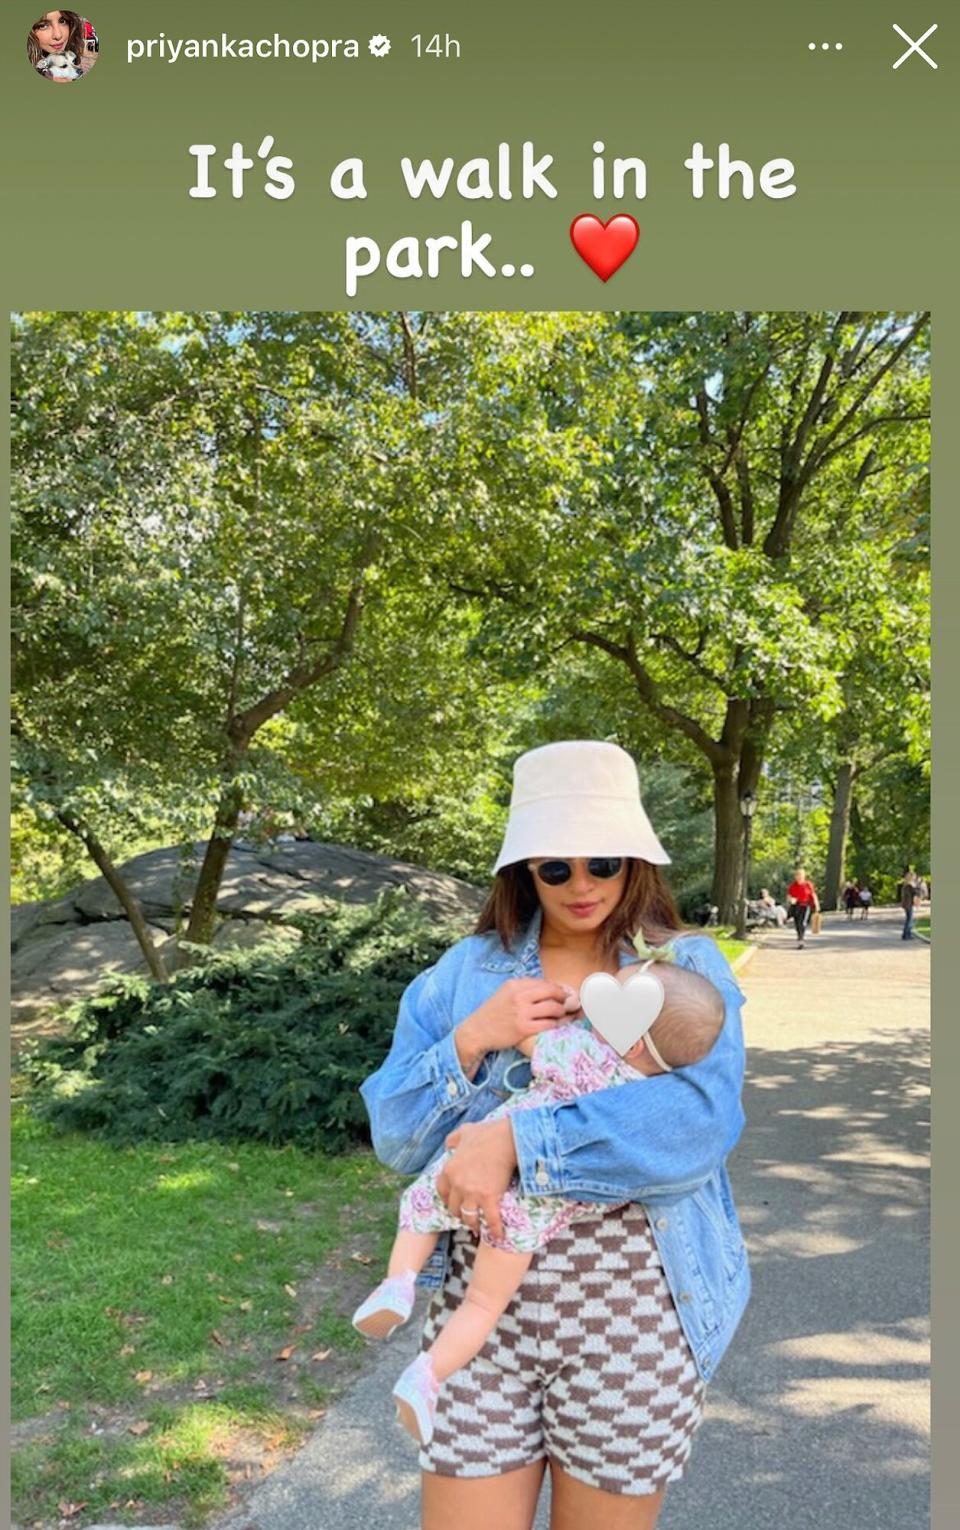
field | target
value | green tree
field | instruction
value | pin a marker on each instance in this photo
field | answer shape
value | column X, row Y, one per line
column 234, row 535
column 701, row 536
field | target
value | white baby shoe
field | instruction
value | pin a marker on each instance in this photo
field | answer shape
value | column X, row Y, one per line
column 388, row 1307
column 415, row 1395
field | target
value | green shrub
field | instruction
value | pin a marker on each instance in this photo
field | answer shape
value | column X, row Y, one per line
column 270, row 1043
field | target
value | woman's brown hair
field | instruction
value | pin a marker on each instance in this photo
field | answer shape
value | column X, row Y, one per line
column 646, row 907
column 75, row 42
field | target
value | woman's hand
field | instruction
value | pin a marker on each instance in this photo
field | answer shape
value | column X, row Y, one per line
column 483, row 1157
column 519, row 1010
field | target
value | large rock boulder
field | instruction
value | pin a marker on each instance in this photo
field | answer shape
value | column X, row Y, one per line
column 58, row 963
column 62, row 950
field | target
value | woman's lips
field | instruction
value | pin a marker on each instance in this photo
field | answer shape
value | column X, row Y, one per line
column 582, row 909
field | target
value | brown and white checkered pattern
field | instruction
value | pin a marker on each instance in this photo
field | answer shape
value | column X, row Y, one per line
column 588, row 1365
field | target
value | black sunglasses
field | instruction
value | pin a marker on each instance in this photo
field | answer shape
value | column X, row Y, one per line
column 555, row 873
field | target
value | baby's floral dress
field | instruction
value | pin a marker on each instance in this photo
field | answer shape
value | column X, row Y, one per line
column 567, row 1062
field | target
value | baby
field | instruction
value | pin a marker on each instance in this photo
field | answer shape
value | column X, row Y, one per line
column 570, row 1060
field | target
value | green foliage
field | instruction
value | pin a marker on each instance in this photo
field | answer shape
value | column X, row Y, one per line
column 713, row 526
column 270, row 1043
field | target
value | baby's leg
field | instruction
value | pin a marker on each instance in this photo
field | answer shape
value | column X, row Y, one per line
column 495, row 1279
column 390, row 1304
column 411, row 1250
column 423, row 1216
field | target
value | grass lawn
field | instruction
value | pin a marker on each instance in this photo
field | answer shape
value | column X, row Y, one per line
column 180, row 1315
column 724, row 937
column 922, row 926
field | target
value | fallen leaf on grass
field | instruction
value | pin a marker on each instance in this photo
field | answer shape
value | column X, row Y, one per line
column 245, row 1306
column 140, row 1427
column 362, row 1258
column 317, row 1413
column 143, row 1376
column 219, row 1339
column 290, row 1290
column 239, row 1258
column 285, row 1353
column 234, row 1167
column 127, row 1349
column 228, row 1301
column 321, row 1354
column 166, row 1280
column 69, row 1509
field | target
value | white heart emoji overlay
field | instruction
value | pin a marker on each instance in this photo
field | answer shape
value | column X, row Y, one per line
column 622, row 1013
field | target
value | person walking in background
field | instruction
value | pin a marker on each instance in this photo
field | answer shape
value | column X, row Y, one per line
column 909, row 893
column 851, row 898
column 866, row 898
column 802, row 896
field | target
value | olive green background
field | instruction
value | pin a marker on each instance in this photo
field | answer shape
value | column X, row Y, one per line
column 98, row 216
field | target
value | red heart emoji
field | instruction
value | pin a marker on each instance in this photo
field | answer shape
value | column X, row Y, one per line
column 604, row 246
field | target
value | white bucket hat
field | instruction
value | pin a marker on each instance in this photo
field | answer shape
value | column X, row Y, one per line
column 577, row 798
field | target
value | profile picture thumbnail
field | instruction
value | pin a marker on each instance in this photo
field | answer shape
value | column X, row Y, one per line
column 62, row 46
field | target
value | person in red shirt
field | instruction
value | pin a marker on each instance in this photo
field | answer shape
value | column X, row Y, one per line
column 803, row 903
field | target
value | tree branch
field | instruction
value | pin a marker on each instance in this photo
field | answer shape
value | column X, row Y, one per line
column 817, row 451
column 693, row 659
column 649, row 693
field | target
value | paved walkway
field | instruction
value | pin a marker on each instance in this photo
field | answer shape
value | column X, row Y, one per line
column 818, row 1417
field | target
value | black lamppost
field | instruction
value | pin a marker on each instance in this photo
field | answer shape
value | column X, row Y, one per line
column 748, row 806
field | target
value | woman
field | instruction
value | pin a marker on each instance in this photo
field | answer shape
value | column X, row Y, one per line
column 804, row 903
column 57, row 32
column 599, row 1363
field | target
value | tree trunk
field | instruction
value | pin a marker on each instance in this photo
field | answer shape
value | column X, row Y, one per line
column 861, row 867
column 241, row 729
column 120, row 891
column 219, row 845
column 839, row 828
column 728, row 843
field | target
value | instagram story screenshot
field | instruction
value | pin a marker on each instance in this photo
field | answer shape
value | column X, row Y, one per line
column 469, row 645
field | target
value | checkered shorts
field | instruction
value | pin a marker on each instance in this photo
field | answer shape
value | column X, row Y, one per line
column 588, row 1365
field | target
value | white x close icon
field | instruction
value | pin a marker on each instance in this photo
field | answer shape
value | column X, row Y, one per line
column 915, row 46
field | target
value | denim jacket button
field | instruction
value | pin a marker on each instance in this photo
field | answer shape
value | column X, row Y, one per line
column 542, row 1177
column 451, row 1088
column 662, row 1223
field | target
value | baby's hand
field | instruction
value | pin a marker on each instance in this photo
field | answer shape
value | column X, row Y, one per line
column 571, row 1003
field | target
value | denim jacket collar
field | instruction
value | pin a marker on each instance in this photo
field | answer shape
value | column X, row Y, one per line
column 524, row 954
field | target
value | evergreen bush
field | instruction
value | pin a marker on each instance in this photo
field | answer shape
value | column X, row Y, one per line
column 269, row 1043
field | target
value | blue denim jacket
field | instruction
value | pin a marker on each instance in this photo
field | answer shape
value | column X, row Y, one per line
column 662, row 1142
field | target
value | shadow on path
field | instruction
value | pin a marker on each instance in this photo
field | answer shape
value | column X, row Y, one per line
column 819, row 1414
